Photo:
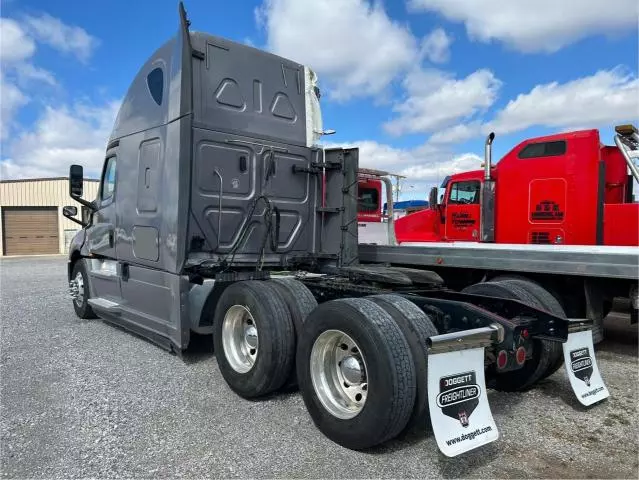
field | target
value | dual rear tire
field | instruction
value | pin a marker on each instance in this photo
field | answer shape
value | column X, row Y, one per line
column 360, row 363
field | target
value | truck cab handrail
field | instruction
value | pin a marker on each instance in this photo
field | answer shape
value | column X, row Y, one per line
column 627, row 140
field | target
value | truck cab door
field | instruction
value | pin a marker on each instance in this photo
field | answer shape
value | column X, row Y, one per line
column 462, row 211
column 100, row 235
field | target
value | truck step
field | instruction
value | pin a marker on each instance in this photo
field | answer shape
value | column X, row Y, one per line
column 105, row 305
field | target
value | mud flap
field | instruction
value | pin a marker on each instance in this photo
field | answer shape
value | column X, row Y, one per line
column 582, row 369
column 457, row 397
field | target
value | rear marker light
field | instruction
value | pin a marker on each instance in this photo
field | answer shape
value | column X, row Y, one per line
column 521, row 355
column 502, row 359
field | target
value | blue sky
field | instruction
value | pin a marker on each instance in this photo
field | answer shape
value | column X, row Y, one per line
column 416, row 84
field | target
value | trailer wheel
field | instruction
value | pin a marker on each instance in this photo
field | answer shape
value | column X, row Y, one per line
column 548, row 302
column 417, row 327
column 300, row 302
column 542, row 350
column 356, row 372
column 80, row 286
column 253, row 338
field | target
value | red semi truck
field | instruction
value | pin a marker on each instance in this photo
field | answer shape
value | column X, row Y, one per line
column 566, row 188
column 555, row 210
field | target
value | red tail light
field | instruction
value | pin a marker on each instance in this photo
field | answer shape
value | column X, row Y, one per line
column 520, row 355
column 502, row 359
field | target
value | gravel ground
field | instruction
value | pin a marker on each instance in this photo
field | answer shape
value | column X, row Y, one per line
column 86, row 399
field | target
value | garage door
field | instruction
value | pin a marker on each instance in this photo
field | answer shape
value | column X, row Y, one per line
column 30, row 230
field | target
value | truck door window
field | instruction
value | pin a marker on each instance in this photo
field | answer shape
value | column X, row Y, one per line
column 368, row 200
column 464, row 193
column 108, row 180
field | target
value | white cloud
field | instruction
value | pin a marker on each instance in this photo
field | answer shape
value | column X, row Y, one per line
column 378, row 155
column 437, row 100
column 65, row 38
column 15, row 45
column 424, row 166
column 352, row 44
column 436, row 46
column 27, row 71
column 11, row 99
column 432, row 171
column 17, row 48
column 607, row 97
column 536, row 25
column 62, row 136
column 456, row 134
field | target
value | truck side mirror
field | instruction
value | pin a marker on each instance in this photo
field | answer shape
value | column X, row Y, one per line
column 76, row 181
column 432, row 199
column 70, row 211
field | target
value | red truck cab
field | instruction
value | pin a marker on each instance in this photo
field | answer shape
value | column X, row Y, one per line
column 369, row 200
column 566, row 188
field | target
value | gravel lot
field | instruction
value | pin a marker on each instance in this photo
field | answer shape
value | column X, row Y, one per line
column 86, row 399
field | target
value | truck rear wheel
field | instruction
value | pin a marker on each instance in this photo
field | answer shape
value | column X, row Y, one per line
column 417, row 327
column 548, row 302
column 356, row 372
column 543, row 351
column 298, row 298
column 300, row 302
column 253, row 337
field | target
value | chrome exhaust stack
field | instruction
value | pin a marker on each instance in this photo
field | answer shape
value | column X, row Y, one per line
column 488, row 155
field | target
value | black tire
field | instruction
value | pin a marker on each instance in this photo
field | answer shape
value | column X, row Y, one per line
column 300, row 302
column 417, row 327
column 298, row 298
column 82, row 309
column 274, row 360
column 389, row 365
column 542, row 350
column 549, row 303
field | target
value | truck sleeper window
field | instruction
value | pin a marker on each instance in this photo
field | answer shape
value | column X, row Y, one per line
column 543, row 149
column 464, row 193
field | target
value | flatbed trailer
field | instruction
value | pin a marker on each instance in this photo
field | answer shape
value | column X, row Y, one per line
column 216, row 216
column 581, row 261
column 585, row 280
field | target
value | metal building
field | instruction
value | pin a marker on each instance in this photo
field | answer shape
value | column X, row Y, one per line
column 31, row 215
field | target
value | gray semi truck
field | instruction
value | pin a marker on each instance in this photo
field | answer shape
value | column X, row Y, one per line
column 220, row 214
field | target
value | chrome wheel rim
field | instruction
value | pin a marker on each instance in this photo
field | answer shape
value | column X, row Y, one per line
column 338, row 373
column 239, row 338
column 79, row 282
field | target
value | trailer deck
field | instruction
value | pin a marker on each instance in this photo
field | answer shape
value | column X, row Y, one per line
column 587, row 261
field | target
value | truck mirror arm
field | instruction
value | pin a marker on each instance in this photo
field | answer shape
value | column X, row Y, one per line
column 75, row 220
column 70, row 213
column 80, row 200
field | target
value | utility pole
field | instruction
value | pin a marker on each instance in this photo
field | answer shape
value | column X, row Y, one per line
column 397, row 185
